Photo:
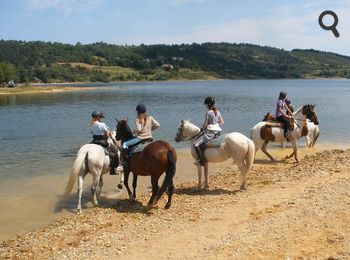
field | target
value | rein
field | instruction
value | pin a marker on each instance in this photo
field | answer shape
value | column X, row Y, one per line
column 193, row 137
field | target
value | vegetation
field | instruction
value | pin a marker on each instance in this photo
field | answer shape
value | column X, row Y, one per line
column 56, row 62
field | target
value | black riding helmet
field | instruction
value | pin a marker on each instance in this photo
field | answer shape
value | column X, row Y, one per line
column 210, row 101
column 283, row 95
column 141, row 108
column 97, row 113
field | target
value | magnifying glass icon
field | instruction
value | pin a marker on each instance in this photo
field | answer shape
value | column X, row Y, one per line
column 332, row 27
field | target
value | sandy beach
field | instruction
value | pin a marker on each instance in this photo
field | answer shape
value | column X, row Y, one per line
column 290, row 211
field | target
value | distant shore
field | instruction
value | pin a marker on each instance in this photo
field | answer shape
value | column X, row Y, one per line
column 44, row 89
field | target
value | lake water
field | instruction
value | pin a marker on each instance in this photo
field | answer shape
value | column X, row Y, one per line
column 39, row 133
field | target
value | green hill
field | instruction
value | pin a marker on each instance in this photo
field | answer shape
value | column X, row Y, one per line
column 56, row 62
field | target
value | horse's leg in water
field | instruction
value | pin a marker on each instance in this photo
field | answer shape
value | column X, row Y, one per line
column 170, row 195
column 134, row 185
column 126, row 183
column 199, row 171
column 155, row 188
column 206, row 176
column 80, row 192
column 263, row 149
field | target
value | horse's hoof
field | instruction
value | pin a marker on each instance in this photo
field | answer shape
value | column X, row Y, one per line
column 79, row 212
column 206, row 187
column 167, row 206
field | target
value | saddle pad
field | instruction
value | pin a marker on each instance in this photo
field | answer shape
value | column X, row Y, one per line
column 274, row 124
column 139, row 148
column 216, row 142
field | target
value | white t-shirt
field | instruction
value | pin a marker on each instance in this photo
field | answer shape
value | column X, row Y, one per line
column 99, row 128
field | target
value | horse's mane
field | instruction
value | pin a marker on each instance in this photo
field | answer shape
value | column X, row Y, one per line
column 298, row 110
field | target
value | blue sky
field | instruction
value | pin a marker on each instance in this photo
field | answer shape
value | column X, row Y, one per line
column 279, row 23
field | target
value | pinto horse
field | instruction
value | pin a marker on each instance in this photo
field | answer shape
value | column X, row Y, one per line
column 263, row 133
column 233, row 145
column 155, row 159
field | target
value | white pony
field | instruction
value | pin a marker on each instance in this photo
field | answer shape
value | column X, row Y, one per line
column 233, row 145
column 91, row 158
column 263, row 133
column 313, row 132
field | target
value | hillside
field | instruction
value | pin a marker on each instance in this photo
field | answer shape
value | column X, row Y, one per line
column 57, row 62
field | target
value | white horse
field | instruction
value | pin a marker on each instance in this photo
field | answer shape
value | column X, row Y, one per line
column 91, row 158
column 233, row 145
column 263, row 132
column 313, row 132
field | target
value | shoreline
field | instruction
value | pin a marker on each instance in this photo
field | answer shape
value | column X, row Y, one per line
column 56, row 87
column 44, row 89
column 115, row 217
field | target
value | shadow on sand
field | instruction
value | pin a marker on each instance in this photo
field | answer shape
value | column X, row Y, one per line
column 196, row 191
column 120, row 205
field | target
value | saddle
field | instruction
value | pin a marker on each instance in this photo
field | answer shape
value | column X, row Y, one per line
column 216, row 142
column 140, row 146
column 271, row 121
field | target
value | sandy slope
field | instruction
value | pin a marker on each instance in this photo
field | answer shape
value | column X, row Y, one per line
column 289, row 211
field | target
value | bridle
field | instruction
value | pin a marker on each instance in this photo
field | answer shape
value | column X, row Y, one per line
column 180, row 137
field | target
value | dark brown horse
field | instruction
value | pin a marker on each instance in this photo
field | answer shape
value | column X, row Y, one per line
column 155, row 159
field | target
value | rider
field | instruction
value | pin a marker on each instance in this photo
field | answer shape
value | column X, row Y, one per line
column 101, row 133
column 281, row 116
column 145, row 124
column 211, row 128
column 289, row 105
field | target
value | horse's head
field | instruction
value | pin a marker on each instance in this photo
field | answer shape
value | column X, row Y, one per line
column 179, row 136
column 186, row 131
column 123, row 131
column 310, row 113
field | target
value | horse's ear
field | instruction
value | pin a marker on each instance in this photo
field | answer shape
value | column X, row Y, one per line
column 182, row 121
column 116, row 119
column 313, row 105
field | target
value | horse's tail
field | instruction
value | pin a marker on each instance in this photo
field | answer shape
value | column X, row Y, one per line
column 77, row 168
column 316, row 135
column 249, row 160
column 169, row 175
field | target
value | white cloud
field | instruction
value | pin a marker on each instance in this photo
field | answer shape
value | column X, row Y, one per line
column 289, row 27
column 67, row 7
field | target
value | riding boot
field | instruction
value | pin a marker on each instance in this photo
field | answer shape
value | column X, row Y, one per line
column 125, row 161
column 113, row 164
column 200, row 156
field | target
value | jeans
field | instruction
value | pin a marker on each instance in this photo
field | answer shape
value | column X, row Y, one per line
column 286, row 124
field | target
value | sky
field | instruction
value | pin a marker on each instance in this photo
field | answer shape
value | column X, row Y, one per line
column 283, row 24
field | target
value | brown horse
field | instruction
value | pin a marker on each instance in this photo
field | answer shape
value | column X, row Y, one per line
column 155, row 159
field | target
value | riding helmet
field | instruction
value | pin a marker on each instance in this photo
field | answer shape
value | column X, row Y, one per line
column 97, row 113
column 210, row 101
column 141, row 108
column 283, row 94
